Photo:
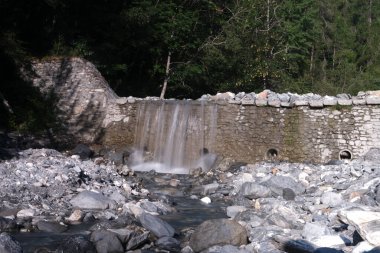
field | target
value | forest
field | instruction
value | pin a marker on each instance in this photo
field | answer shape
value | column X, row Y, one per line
column 195, row 46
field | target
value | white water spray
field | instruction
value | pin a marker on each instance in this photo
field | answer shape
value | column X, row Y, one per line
column 178, row 136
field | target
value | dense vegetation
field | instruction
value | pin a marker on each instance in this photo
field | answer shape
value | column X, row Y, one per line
column 197, row 46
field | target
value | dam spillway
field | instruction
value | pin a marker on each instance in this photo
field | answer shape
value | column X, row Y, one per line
column 175, row 134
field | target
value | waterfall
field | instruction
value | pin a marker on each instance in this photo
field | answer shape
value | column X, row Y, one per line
column 177, row 135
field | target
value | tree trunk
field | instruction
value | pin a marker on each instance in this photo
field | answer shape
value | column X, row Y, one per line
column 5, row 103
column 166, row 76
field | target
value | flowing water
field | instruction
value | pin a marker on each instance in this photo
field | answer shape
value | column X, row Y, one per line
column 178, row 135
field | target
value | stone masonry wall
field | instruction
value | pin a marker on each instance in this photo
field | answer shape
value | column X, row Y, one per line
column 297, row 134
column 268, row 126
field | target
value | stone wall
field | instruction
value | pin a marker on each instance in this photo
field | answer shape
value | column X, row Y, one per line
column 299, row 134
column 251, row 133
column 265, row 126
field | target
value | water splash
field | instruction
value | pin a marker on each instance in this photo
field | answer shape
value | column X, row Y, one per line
column 177, row 135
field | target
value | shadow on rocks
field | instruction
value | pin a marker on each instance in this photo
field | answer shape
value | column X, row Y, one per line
column 302, row 246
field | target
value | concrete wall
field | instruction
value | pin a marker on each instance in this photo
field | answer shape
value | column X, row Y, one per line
column 92, row 113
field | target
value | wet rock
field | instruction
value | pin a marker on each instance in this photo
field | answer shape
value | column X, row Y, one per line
column 288, row 194
column 253, row 190
column 210, row 188
column 327, row 250
column 117, row 157
column 122, row 233
column 106, row 241
column 83, row 151
column 7, row 225
column 52, row 227
column 218, row 232
column 137, row 240
column 76, row 244
column 155, row 225
column 9, row 245
column 232, row 211
column 296, row 245
column 168, row 243
column 90, row 200
column 118, row 197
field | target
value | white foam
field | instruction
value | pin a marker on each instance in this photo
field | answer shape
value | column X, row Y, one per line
column 159, row 168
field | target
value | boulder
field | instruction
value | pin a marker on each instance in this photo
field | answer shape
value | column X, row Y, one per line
column 253, row 190
column 155, row 225
column 52, row 227
column 332, row 199
column 367, row 223
column 232, row 211
column 7, row 225
column 91, row 200
column 137, row 240
column 83, row 151
column 168, row 243
column 106, row 241
column 277, row 184
column 8, row 244
column 314, row 230
column 218, row 232
column 76, row 244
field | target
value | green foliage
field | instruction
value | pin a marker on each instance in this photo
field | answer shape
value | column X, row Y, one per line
column 323, row 46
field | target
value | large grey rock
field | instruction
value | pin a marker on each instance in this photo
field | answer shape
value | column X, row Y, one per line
column 226, row 249
column 253, row 190
column 316, row 103
column 367, row 223
column 91, row 200
column 155, row 225
column 328, row 100
column 168, row 243
column 137, row 240
column 8, row 244
column 52, row 227
column 278, row 183
column 76, row 244
column 314, row 230
column 232, row 211
column 83, row 151
column 331, row 199
column 331, row 241
column 218, row 232
column 106, row 242
column 7, row 225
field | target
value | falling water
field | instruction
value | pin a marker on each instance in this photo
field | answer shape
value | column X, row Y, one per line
column 178, row 135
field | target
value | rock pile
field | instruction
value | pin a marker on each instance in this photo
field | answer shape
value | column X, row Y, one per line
column 272, row 207
column 269, row 98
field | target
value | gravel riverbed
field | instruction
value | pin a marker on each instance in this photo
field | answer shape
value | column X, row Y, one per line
column 75, row 205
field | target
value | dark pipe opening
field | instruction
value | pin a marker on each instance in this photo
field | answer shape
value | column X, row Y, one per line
column 345, row 155
column 272, row 153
